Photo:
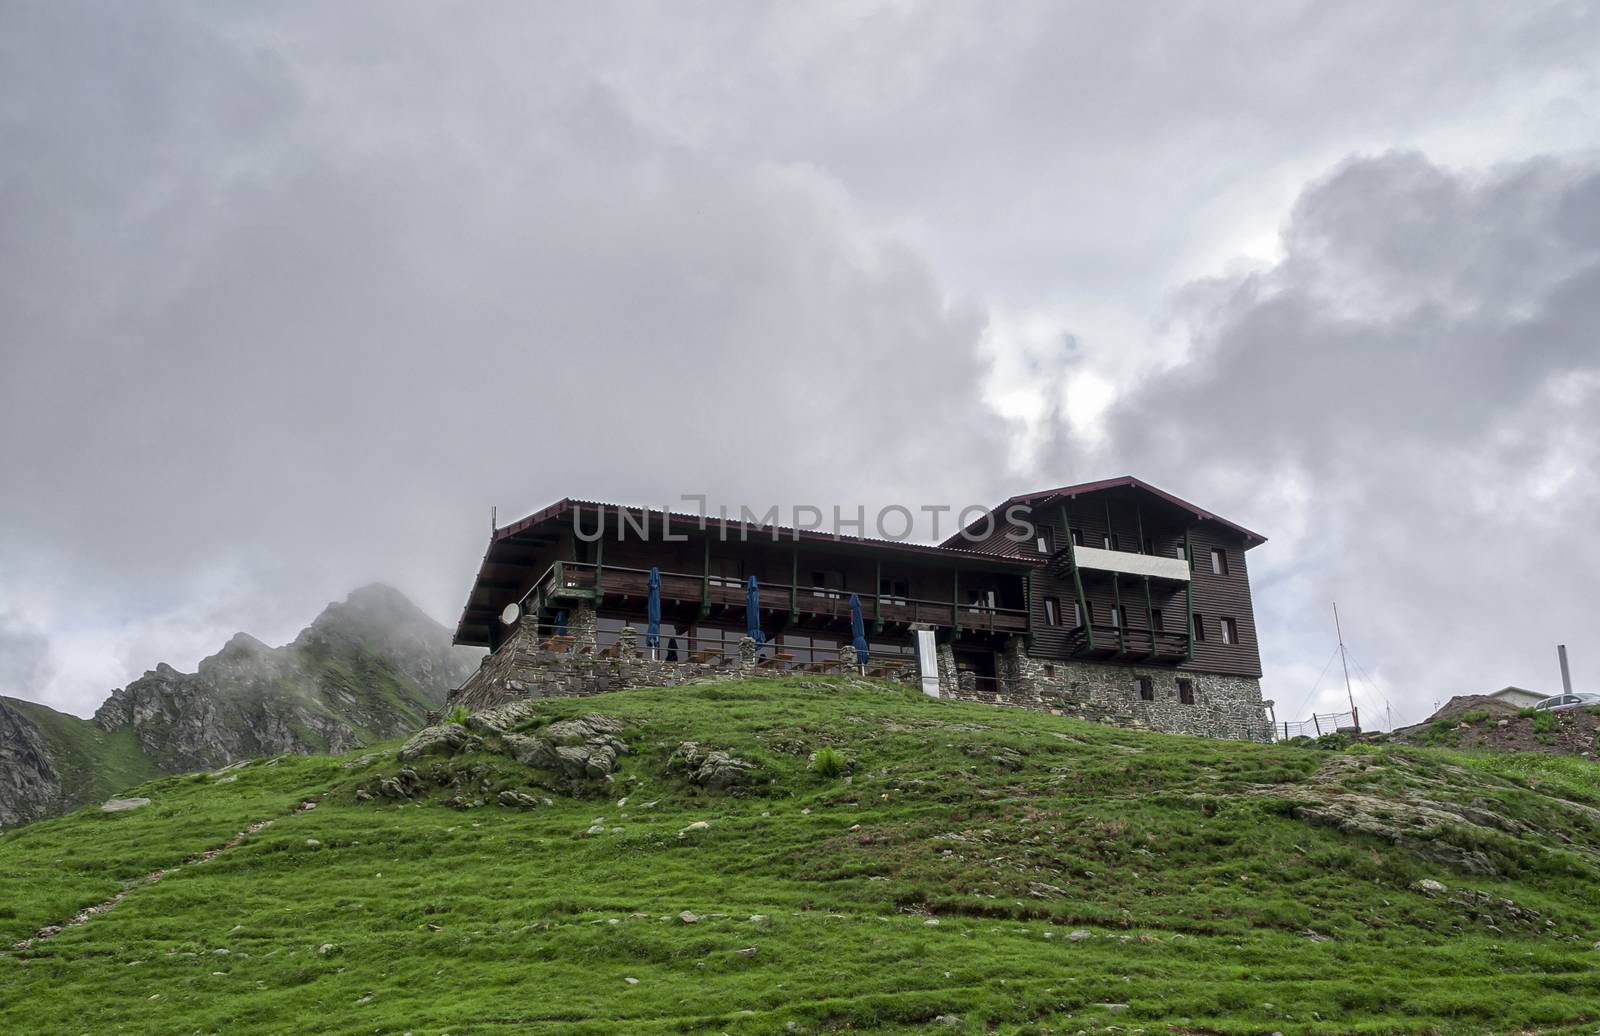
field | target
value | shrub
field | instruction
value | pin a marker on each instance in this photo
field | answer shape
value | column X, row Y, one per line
column 457, row 715
column 1475, row 716
column 829, row 763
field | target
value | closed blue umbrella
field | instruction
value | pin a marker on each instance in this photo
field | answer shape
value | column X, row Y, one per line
column 652, row 612
column 752, row 612
column 858, row 630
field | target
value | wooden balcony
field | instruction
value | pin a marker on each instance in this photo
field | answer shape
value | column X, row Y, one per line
column 1128, row 644
column 714, row 599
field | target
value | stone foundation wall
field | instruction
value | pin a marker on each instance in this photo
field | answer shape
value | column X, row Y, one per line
column 1224, row 706
column 524, row 667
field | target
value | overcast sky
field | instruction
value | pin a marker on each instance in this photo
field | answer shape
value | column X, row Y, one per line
column 291, row 295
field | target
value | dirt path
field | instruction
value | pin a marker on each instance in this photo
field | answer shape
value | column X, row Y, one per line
column 83, row 916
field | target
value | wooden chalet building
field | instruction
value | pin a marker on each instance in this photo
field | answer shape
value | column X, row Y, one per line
column 1125, row 604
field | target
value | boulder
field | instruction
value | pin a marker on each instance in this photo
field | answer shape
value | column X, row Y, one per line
column 711, row 768
column 586, row 747
column 444, row 739
column 518, row 800
column 123, row 805
column 501, row 718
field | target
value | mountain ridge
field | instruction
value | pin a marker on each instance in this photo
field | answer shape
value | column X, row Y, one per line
column 367, row 668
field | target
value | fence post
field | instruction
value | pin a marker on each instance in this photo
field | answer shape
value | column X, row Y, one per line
column 1314, row 723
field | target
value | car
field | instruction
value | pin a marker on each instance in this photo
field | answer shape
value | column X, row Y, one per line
column 1562, row 702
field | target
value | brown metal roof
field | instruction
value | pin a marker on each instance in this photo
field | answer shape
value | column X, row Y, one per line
column 1252, row 539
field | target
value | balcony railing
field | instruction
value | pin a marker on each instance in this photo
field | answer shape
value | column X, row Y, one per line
column 1125, row 562
column 718, row 594
column 1128, row 642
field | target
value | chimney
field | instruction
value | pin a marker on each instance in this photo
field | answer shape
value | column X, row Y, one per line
column 1566, row 677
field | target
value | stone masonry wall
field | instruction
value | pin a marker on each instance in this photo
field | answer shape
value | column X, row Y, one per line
column 524, row 667
column 1224, row 706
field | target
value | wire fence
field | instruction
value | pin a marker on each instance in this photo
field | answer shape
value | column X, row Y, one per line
column 1317, row 725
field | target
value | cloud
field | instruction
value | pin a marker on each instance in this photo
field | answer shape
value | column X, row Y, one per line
column 25, row 665
column 317, row 365
column 1409, row 393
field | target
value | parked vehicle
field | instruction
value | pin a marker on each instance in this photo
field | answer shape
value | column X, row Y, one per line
column 1563, row 702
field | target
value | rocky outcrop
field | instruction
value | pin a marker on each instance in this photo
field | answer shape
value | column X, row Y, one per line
column 444, row 739
column 586, row 747
column 712, row 768
column 368, row 668
column 30, row 788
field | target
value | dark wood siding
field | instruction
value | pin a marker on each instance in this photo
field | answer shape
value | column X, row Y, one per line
column 1214, row 596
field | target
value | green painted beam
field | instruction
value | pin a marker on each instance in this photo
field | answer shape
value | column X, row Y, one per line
column 1188, row 594
column 1077, row 578
column 1122, row 615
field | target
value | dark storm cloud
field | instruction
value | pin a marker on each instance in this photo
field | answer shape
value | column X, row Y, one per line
column 290, row 297
column 318, row 364
column 1419, row 375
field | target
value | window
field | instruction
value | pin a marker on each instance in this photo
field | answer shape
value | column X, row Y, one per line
column 1230, row 631
column 827, row 583
column 1147, row 691
column 1116, row 617
column 1046, row 542
column 1219, row 562
column 1186, row 691
column 1077, row 537
column 1182, row 554
column 1052, row 611
column 1110, row 541
column 1149, row 545
column 1199, row 626
column 1049, row 671
column 1077, row 614
column 895, row 591
column 981, row 600
column 1157, row 624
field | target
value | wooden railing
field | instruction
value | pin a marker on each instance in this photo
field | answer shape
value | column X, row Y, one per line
column 729, row 592
column 1129, row 642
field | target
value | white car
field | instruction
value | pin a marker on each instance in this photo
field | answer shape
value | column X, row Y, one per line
column 1562, row 702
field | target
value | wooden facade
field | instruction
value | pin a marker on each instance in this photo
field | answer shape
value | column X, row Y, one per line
column 1118, row 572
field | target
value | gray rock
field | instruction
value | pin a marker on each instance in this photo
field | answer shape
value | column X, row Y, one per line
column 444, row 739
column 123, row 805
column 30, row 787
column 518, row 800
column 1429, row 887
column 501, row 718
column 711, row 768
column 578, row 748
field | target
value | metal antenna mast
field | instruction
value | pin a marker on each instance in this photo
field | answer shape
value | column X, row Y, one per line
column 1354, row 714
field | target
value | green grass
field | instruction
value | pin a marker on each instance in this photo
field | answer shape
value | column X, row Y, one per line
column 942, row 869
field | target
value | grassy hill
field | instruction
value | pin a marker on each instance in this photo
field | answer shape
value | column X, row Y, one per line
column 951, row 866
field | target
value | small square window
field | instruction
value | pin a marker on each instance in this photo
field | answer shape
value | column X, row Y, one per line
column 1186, row 691
column 1230, row 631
column 1146, row 689
column 1219, row 562
column 1049, row 671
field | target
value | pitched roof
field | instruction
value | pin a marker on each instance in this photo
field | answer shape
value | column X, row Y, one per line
column 1252, row 539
